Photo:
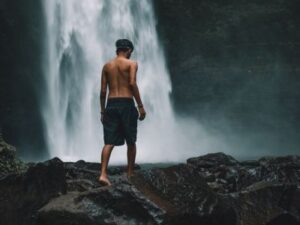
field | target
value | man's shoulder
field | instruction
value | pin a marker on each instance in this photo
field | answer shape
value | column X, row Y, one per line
column 129, row 61
column 132, row 62
column 125, row 61
column 106, row 65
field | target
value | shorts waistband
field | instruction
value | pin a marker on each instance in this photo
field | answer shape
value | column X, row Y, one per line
column 120, row 101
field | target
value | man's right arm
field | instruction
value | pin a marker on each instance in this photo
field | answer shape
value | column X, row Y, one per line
column 135, row 89
column 133, row 84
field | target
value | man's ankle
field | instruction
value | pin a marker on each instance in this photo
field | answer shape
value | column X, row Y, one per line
column 103, row 175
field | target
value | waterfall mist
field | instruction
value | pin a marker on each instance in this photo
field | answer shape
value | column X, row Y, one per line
column 80, row 39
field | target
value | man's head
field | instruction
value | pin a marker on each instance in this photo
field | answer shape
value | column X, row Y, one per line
column 125, row 46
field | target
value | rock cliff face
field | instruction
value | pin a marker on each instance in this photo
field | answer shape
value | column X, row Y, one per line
column 213, row 189
column 21, row 44
column 235, row 64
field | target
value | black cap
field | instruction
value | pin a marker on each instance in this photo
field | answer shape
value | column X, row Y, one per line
column 124, row 43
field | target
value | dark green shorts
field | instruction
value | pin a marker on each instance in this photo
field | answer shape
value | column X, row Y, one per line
column 120, row 121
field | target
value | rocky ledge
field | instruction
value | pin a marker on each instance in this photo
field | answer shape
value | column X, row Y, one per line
column 213, row 189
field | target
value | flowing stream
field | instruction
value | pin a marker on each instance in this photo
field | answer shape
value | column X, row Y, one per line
column 80, row 38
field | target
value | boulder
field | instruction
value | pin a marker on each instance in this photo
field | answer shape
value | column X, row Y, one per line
column 267, row 202
column 121, row 203
column 22, row 194
column 83, row 176
column 212, row 160
column 224, row 174
column 183, row 193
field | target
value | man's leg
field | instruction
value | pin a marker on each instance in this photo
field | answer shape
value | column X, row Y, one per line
column 131, row 153
column 106, row 151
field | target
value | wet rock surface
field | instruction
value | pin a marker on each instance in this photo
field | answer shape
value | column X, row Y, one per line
column 259, row 190
column 212, row 189
column 121, row 203
column 184, row 195
column 22, row 194
column 224, row 174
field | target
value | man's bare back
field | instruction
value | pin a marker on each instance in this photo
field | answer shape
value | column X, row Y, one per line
column 117, row 75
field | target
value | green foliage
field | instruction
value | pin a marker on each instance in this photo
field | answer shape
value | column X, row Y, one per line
column 9, row 163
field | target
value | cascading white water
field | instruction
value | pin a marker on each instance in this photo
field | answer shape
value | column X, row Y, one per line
column 81, row 37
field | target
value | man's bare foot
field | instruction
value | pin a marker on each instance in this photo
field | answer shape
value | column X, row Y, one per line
column 104, row 181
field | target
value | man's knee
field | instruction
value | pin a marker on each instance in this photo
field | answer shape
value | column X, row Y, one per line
column 109, row 145
column 131, row 145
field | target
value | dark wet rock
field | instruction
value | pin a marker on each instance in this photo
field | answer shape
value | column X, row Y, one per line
column 121, row 203
column 267, row 201
column 83, row 176
column 220, row 171
column 280, row 169
column 22, row 194
column 184, row 194
column 260, row 191
column 284, row 218
column 9, row 163
column 224, row 174
column 212, row 189
column 211, row 160
column 250, row 163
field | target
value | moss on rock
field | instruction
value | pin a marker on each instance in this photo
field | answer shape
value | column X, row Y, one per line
column 9, row 163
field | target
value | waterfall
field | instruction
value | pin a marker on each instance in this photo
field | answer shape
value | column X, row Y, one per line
column 80, row 38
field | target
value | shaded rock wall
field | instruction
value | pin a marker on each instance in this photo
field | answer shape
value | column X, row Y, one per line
column 235, row 63
column 21, row 43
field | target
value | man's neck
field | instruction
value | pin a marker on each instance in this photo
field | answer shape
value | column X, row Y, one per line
column 121, row 56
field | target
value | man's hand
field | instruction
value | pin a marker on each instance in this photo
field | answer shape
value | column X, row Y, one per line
column 142, row 113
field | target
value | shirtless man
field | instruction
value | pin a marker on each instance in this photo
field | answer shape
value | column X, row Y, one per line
column 120, row 116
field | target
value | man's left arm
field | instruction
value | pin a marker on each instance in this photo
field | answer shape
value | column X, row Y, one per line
column 103, row 89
